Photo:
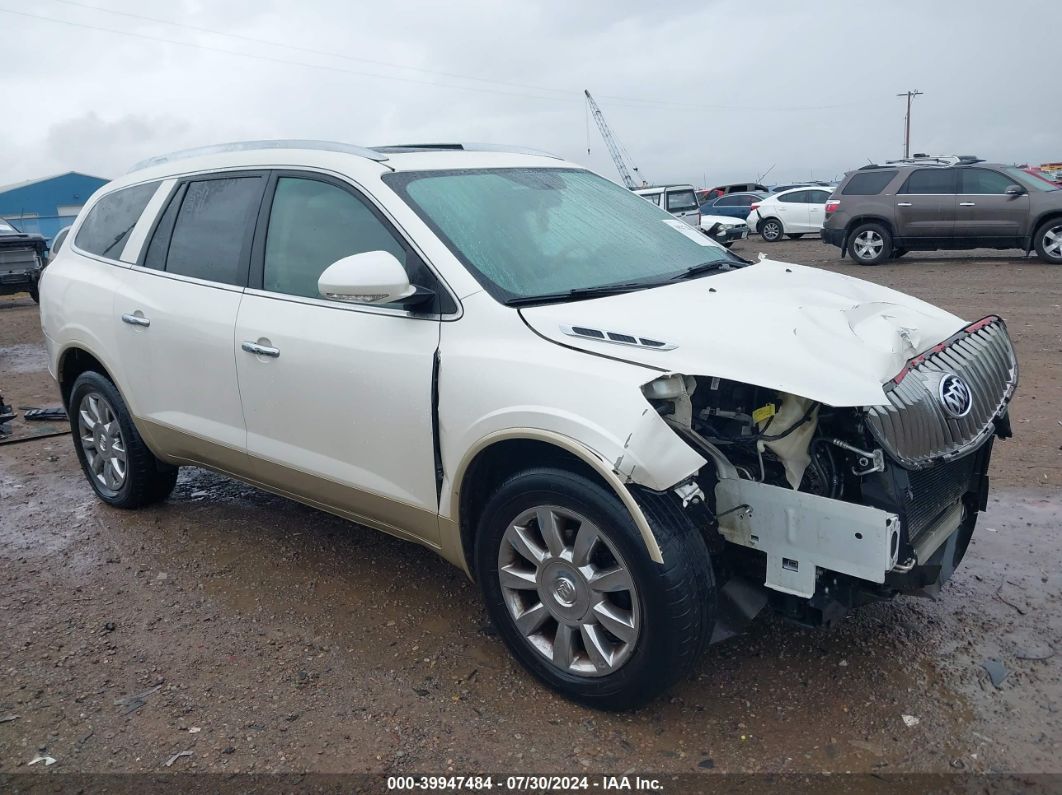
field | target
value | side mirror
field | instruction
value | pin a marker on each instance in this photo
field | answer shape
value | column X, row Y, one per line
column 1015, row 190
column 374, row 277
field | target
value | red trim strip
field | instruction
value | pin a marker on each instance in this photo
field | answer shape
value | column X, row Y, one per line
column 970, row 329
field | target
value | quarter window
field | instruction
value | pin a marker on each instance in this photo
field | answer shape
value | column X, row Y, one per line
column 984, row 180
column 107, row 227
column 931, row 181
column 213, row 229
column 312, row 224
column 868, row 183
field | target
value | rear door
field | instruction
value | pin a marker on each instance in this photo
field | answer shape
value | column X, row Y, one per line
column 178, row 311
column 925, row 205
column 817, row 208
column 985, row 212
column 339, row 407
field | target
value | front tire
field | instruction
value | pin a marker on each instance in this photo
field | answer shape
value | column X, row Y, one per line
column 35, row 293
column 1048, row 241
column 570, row 587
column 870, row 244
column 118, row 465
column 771, row 230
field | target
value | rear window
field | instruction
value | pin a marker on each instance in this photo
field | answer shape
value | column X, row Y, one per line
column 212, row 232
column 681, row 201
column 932, row 181
column 868, row 183
column 109, row 223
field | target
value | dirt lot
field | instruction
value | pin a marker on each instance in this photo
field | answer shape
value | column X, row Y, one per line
column 264, row 636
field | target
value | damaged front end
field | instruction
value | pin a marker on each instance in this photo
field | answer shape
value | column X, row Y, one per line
column 830, row 507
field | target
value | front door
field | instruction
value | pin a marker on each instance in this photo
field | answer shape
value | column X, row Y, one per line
column 337, row 397
column 985, row 212
column 178, row 307
column 925, row 205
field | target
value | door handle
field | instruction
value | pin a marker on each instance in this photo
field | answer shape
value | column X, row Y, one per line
column 260, row 350
column 967, row 204
column 136, row 320
column 903, row 204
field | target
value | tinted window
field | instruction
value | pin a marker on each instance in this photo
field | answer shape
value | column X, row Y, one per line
column 59, row 240
column 212, row 230
column 109, row 223
column 818, row 196
column 796, row 197
column 728, row 201
column 983, row 180
column 930, row 180
column 311, row 225
column 681, row 201
column 868, row 183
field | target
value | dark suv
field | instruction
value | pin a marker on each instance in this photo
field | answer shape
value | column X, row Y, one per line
column 881, row 212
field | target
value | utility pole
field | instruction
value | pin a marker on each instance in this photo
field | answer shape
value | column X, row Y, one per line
column 907, row 122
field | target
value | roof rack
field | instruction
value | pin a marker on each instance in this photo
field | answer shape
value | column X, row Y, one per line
column 935, row 160
column 246, row 146
column 395, row 149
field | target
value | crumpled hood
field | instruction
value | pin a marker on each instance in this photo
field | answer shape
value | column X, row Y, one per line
column 816, row 334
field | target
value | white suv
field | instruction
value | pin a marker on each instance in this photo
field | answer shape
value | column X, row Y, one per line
column 632, row 439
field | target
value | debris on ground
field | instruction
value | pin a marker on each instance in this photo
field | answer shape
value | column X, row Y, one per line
column 48, row 760
column 8, row 718
column 1034, row 653
column 50, row 414
column 910, row 720
column 997, row 672
column 177, row 756
column 136, row 701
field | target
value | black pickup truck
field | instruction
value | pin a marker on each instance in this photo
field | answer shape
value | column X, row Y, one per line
column 21, row 258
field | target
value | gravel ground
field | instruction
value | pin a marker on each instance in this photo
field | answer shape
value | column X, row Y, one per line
column 260, row 635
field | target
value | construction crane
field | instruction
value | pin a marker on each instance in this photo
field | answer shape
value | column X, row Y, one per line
column 615, row 148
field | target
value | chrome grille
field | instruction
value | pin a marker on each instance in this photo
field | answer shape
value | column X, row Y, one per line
column 915, row 429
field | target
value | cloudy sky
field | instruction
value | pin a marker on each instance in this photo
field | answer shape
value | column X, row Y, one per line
column 696, row 91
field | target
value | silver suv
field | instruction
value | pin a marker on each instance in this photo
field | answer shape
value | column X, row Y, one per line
column 923, row 204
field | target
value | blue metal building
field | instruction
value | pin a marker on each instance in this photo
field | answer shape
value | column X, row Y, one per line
column 45, row 206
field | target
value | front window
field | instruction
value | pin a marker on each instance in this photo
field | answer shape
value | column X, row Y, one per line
column 529, row 232
column 1030, row 181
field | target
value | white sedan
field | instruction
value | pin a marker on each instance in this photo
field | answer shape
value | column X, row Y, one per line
column 794, row 212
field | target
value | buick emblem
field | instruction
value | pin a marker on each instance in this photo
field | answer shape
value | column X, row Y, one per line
column 955, row 396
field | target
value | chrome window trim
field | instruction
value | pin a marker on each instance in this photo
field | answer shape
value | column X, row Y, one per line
column 178, row 277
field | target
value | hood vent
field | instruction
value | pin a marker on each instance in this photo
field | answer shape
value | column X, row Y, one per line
column 617, row 337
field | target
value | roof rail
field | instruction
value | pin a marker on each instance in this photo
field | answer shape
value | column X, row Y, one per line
column 463, row 147
column 246, row 146
column 936, row 160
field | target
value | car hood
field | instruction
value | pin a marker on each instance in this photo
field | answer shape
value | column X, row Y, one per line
column 815, row 334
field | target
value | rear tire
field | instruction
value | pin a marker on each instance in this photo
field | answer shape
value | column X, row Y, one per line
column 35, row 293
column 771, row 230
column 610, row 642
column 118, row 465
column 870, row 244
column 795, row 236
column 1048, row 241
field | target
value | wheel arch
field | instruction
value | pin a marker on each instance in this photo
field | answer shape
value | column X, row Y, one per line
column 504, row 453
column 1041, row 219
column 763, row 220
column 74, row 360
column 866, row 218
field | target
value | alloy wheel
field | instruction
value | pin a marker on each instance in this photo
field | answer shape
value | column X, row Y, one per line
column 772, row 230
column 868, row 244
column 569, row 591
column 1053, row 241
column 102, row 442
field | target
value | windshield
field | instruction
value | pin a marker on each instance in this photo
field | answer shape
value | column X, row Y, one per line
column 679, row 201
column 540, row 231
column 1031, row 181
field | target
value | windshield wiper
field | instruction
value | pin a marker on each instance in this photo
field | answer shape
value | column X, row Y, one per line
column 697, row 270
column 577, row 294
